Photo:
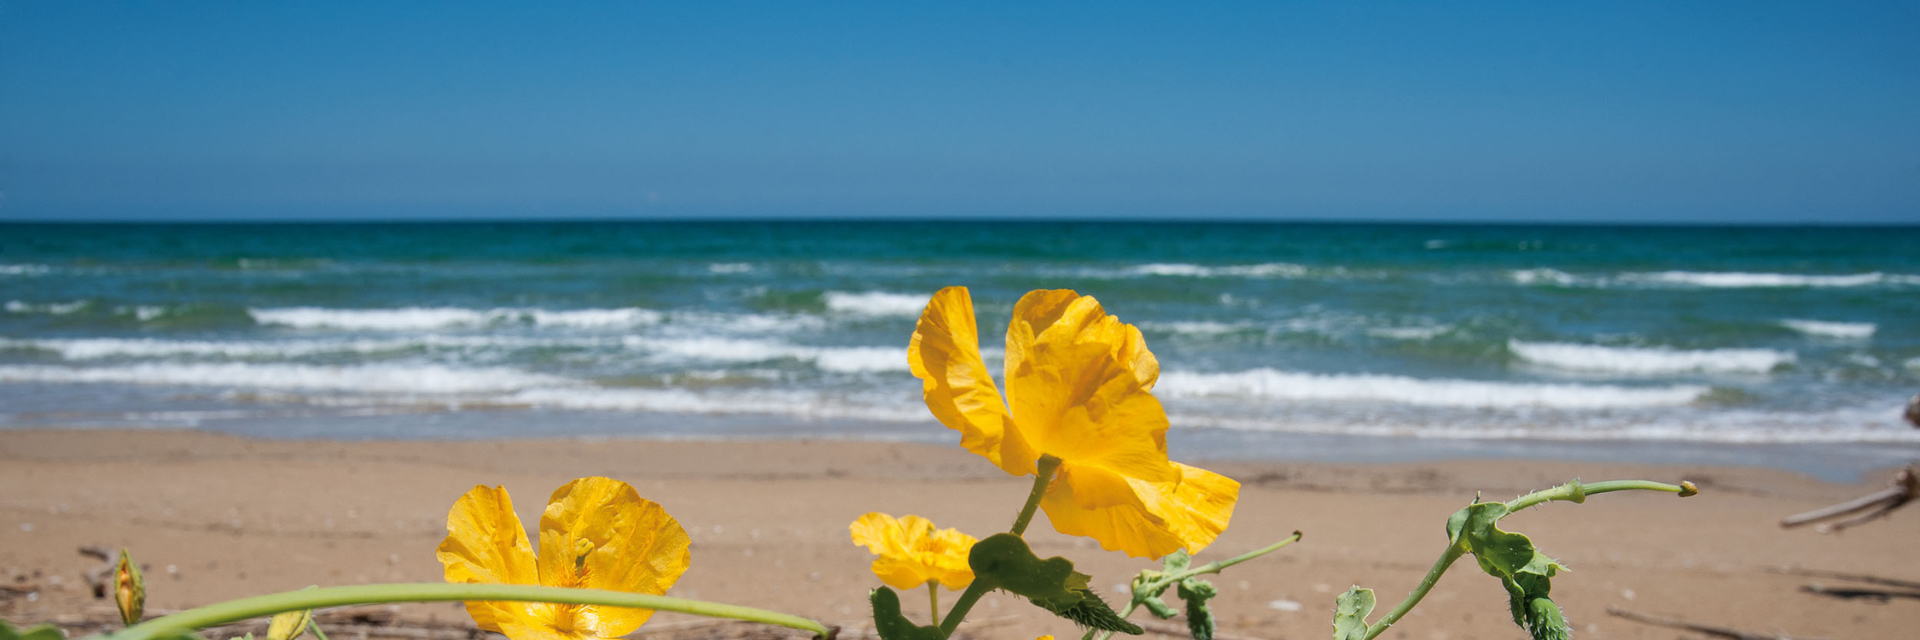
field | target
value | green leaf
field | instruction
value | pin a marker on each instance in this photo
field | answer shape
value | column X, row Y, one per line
column 1524, row 571
column 40, row 632
column 1092, row 612
column 1005, row 562
column 891, row 625
column 1350, row 613
column 1158, row 607
column 1176, row 562
column 1200, row 620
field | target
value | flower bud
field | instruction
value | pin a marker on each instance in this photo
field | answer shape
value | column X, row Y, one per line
column 129, row 591
column 289, row 624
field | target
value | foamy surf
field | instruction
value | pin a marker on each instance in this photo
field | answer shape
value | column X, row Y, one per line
column 1826, row 329
column 1648, row 361
column 877, row 303
column 1182, row 270
column 1271, row 385
column 421, row 318
column 365, row 378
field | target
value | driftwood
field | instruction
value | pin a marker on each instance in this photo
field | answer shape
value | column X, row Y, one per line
column 1904, row 487
column 1718, row 632
column 1901, row 588
column 1180, row 630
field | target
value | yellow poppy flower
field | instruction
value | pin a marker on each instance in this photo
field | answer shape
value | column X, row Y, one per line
column 597, row 533
column 912, row 552
column 1079, row 388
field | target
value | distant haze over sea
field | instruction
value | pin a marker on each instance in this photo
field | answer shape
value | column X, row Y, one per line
column 1480, row 333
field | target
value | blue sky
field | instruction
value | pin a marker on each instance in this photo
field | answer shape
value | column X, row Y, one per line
column 1666, row 112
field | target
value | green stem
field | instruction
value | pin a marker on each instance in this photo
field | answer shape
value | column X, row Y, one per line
column 259, row 606
column 1042, row 476
column 933, row 600
column 315, row 628
column 1426, row 584
column 961, row 606
column 1577, row 492
column 1217, row 565
column 1159, row 584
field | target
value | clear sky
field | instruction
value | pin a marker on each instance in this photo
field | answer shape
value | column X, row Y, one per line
column 1548, row 111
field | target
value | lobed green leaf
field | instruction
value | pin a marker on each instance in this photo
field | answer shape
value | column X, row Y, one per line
column 37, row 632
column 1523, row 570
column 1350, row 613
column 1196, row 593
column 891, row 625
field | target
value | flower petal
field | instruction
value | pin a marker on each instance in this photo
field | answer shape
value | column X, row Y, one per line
column 1077, row 385
column 598, row 533
column 486, row 544
column 945, row 355
column 913, row 552
column 1148, row 519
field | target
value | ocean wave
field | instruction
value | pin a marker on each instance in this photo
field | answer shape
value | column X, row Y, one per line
column 738, row 350
column 1545, row 276
column 367, row 378
column 729, row 267
column 24, row 269
column 1287, row 386
column 1729, row 427
column 876, row 303
column 415, row 318
column 791, row 403
column 1734, row 280
column 102, row 348
column 1265, row 270
column 54, row 308
column 1826, row 329
column 1648, row 361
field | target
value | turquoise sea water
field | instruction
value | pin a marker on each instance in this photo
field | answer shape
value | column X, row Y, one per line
column 1455, row 337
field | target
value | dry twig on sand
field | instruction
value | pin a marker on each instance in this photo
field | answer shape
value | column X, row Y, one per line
column 1904, row 487
column 1718, row 632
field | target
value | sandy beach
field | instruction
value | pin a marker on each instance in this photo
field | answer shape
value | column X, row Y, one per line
column 214, row 517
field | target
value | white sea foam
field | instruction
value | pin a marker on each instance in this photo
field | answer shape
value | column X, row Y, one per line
column 24, row 269
column 795, row 403
column 1825, row 329
column 370, row 378
column 1266, row 270
column 1544, row 276
column 416, row 318
column 729, row 267
column 1267, row 384
column 1196, row 327
column 55, row 308
column 738, row 350
column 876, row 303
column 1648, row 361
column 1738, row 280
column 100, row 348
column 1408, row 333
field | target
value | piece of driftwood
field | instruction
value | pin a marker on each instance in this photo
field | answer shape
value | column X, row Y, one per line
column 1718, row 632
column 1849, row 577
column 1904, row 487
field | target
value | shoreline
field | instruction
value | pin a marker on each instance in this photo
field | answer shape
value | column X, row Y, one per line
column 217, row 516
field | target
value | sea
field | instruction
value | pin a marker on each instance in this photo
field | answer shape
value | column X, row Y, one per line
column 1794, row 347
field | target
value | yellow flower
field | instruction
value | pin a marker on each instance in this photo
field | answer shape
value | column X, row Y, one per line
column 1079, row 386
column 597, row 533
column 912, row 552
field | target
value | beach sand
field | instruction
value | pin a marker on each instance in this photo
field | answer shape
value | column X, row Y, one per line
column 215, row 517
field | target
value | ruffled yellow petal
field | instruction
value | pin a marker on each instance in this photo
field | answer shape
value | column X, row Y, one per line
column 945, row 355
column 598, row 533
column 1145, row 519
column 913, row 552
column 1077, row 386
column 486, row 544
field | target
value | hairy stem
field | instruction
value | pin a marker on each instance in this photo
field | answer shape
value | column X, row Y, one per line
column 1217, row 565
column 1452, row 553
column 1577, row 491
column 260, row 606
column 1043, row 474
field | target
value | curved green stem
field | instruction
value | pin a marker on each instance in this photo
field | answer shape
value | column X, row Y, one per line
column 259, row 606
column 1577, row 492
column 1426, row 584
column 1042, row 476
column 1217, row 565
